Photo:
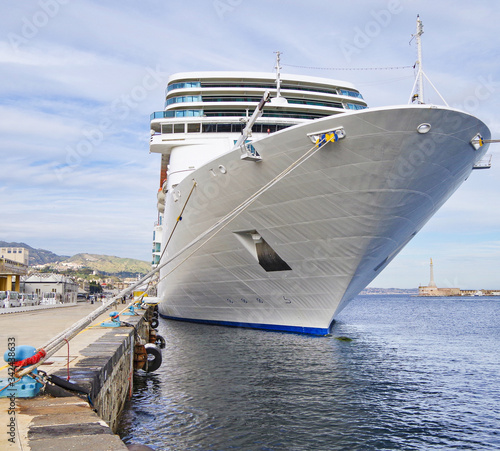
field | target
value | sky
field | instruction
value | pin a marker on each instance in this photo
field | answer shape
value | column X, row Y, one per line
column 79, row 80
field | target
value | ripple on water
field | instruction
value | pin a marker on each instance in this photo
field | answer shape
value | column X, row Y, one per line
column 411, row 378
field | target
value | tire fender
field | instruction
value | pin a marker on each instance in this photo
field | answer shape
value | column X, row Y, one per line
column 154, row 357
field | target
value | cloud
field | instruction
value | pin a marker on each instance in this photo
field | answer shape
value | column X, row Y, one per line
column 77, row 90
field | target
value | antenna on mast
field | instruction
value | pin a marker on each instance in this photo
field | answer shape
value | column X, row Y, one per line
column 417, row 95
column 278, row 100
column 420, row 74
column 278, row 74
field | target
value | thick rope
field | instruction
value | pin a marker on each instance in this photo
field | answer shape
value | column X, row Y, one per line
column 31, row 360
column 179, row 218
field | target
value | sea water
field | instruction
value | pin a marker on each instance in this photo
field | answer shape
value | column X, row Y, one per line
column 408, row 373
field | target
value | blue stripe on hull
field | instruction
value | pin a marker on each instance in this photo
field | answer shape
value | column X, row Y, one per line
column 275, row 327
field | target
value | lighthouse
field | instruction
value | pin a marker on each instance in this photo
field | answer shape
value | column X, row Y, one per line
column 432, row 283
column 433, row 290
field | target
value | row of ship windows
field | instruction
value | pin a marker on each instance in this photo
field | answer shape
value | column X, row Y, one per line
column 243, row 113
column 234, row 113
column 182, row 99
column 220, row 128
column 197, row 84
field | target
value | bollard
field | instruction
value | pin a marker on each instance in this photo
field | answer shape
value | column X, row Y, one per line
column 14, row 387
column 131, row 311
column 115, row 320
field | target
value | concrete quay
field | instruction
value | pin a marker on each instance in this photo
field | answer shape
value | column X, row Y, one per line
column 100, row 360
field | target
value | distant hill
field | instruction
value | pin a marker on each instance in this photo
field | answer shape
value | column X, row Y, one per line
column 102, row 263
column 370, row 290
column 37, row 256
column 110, row 264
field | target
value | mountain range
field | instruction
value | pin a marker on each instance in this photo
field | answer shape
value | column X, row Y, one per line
column 103, row 263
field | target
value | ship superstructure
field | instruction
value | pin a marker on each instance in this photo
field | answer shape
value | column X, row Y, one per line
column 214, row 106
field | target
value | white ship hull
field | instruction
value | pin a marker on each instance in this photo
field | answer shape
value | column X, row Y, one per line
column 337, row 220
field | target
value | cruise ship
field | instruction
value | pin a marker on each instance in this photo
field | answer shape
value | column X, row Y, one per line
column 282, row 196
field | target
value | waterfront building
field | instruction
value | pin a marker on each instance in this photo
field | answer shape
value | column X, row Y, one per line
column 62, row 288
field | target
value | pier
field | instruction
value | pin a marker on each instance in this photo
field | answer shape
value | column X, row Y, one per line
column 100, row 360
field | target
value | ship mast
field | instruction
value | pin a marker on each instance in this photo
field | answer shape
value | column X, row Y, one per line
column 417, row 95
column 420, row 74
column 278, row 74
column 279, row 100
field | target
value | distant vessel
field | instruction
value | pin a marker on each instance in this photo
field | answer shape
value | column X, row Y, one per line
column 277, row 219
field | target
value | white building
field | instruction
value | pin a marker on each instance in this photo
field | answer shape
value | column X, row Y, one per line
column 52, row 286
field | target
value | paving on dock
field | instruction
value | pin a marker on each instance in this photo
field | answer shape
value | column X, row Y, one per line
column 48, row 423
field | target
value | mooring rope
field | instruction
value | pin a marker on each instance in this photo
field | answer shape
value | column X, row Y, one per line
column 60, row 339
column 179, row 218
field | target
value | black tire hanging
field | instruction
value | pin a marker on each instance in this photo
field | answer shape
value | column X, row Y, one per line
column 154, row 323
column 154, row 358
column 160, row 341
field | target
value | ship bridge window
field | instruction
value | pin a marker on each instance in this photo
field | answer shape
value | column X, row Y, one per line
column 237, row 128
column 229, row 98
column 262, row 85
column 185, row 84
column 256, row 99
column 265, row 128
column 347, row 92
column 280, row 114
column 296, row 115
column 224, row 128
column 182, row 99
column 209, row 128
column 189, row 113
column 355, row 106
column 314, row 102
column 179, row 113
column 178, row 128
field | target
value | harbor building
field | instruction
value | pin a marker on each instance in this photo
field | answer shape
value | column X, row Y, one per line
column 52, row 286
column 16, row 254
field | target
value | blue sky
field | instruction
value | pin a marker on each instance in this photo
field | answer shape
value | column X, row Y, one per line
column 79, row 80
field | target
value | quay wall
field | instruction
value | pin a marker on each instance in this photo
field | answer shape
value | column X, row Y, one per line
column 106, row 366
column 105, row 369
